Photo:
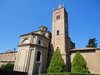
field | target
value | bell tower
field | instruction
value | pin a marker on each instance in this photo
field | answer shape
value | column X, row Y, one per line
column 60, row 36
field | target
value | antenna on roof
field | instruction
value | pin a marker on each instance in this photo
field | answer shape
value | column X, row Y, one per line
column 61, row 4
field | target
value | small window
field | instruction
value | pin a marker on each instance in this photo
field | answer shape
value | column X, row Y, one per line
column 57, row 17
column 57, row 47
column 57, row 32
column 38, row 56
column 39, row 42
column 15, row 58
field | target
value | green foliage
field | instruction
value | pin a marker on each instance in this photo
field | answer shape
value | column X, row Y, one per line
column 67, row 73
column 79, row 64
column 92, row 43
column 7, row 66
column 56, row 63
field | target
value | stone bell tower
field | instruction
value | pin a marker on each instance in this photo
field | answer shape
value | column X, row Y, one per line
column 60, row 36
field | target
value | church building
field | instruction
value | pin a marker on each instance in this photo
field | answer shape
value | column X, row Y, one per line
column 33, row 52
column 35, row 48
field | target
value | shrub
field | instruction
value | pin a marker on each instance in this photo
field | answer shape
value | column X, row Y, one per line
column 7, row 66
column 56, row 63
column 79, row 64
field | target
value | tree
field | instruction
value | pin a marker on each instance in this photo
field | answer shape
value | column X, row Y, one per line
column 56, row 63
column 79, row 64
column 7, row 66
column 92, row 43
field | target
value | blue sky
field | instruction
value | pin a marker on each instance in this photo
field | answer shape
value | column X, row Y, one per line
column 22, row 16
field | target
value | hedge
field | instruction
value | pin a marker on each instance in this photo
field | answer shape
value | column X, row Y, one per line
column 66, row 74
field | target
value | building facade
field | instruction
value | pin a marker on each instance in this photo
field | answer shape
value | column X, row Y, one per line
column 33, row 52
column 34, row 47
column 7, row 57
column 91, row 56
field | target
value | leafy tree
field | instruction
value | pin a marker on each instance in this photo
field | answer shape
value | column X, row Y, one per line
column 79, row 64
column 92, row 43
column 7, row 66
column 56, row 63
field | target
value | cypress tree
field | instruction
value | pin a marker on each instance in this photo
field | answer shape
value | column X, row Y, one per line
column 79, row 64
column 56, row 63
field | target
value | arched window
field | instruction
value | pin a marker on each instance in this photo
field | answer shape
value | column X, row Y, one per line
column 57, row 32
column 39, row 42
column 57, row 17
column 58, row 47
column 38, row 56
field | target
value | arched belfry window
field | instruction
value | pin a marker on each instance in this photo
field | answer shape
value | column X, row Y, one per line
column 57, row 32
column 57, row 17
column 38, row 56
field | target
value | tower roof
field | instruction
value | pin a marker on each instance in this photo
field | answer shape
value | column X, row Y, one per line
column 60, row 6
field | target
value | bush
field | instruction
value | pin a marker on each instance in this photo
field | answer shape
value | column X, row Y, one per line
column 7, row 66
column 79, row 64
column 56, row 63
column 67, row 73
